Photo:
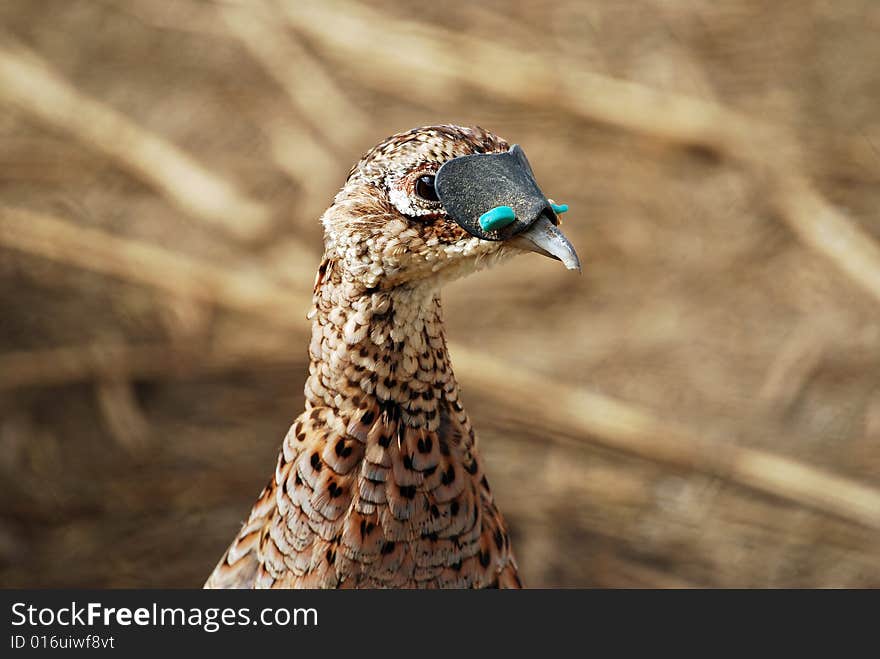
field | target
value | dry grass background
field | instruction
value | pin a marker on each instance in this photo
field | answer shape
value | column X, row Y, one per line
column 700, row 408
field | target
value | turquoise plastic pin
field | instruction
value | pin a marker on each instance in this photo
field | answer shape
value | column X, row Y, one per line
column 559, row 209
column 497, row 218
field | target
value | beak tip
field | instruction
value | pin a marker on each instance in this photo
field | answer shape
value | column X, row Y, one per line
column 545, row 238
column 575, row 266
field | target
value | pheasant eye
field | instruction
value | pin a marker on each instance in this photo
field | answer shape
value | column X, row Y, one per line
column 425, row 188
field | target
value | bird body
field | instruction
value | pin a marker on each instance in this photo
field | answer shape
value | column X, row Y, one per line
column 379, row 483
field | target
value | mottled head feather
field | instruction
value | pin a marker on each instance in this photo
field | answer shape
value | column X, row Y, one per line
column 428, row 146
column 381, row 233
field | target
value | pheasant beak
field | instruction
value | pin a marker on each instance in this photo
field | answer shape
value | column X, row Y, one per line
column 494, row 196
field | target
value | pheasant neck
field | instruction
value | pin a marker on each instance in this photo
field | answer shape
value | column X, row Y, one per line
column 381, row 345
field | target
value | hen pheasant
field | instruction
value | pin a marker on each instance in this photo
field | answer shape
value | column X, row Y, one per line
column 379, row 482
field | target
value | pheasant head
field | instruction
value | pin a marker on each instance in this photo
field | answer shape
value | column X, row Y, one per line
column 420, row 206
column 379, row 482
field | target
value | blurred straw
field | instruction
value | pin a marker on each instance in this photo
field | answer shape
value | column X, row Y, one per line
column 31, row 86
column 120, row 361
column 122, row 414
column 312, row 152
column 139, row 262
column 191, row 17
column 622, row 427
column 308, row 85
column 792, row 367
column 614, row 571
column 827, row 230
column 417, row 60
column 438, row 63
column 576, row 412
